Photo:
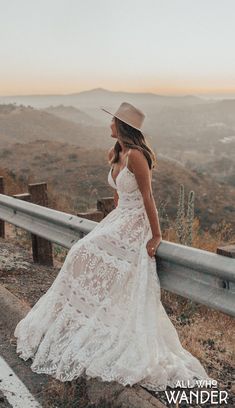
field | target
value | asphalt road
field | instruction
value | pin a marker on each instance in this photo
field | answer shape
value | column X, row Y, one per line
column 20, row 387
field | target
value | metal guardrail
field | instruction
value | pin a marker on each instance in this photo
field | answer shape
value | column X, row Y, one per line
column 199, row 275
column 56, row 226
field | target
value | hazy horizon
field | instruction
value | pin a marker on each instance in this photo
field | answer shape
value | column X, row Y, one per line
column 57, row 47
column 204, row 96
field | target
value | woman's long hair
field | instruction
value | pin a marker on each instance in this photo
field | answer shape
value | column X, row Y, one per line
column 133, row 139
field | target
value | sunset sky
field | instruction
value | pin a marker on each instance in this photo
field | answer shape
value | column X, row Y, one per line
column 169, row 47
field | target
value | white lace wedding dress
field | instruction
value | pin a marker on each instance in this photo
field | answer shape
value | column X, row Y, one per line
column 102, row 316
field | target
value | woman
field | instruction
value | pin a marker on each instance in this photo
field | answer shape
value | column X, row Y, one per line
column 103, row 316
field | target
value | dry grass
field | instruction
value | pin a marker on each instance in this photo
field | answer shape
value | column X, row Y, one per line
column 66, row 395
column 206, row 333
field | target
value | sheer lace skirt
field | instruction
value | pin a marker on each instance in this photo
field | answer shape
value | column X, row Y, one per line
column 103, row 315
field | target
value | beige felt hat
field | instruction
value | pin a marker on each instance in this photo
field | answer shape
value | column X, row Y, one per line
column 129, row 114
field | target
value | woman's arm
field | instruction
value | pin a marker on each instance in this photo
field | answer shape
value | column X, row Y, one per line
column 115, row 197
column 140, row 168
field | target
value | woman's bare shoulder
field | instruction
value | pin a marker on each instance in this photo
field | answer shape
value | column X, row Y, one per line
column 138, row 160
column 137, row 156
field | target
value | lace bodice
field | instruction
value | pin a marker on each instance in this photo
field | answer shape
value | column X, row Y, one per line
column 128, row 184
column 127, row 187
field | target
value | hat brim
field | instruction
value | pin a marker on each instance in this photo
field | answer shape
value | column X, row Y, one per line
column 107, row 111
column 128, row 123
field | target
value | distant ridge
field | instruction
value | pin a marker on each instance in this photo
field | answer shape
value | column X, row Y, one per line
column 90, row 100
column 99, row 90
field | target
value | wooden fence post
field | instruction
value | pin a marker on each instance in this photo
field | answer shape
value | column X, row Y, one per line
column 103, row 205
column 41, row 248
column 91, row 215
column 23, row 197
column 2, row 223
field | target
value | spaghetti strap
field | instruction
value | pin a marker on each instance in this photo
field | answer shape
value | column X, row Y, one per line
column 127, row 157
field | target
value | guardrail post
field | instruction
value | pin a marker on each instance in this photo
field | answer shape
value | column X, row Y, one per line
column 23, row 197
column 104, row 206
column 91, row 215
column 229, row 251
column 2, row 223
column 41, row 248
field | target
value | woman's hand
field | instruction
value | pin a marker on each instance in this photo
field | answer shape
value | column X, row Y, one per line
column 153, row 244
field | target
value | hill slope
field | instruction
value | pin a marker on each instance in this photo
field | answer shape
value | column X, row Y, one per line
column 26, row 124
column 81, row 176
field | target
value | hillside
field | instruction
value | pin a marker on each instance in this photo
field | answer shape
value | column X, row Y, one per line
column 26, row 124
column 12, row 182
column 194, row 132
column 79, row 176
column 72, row 114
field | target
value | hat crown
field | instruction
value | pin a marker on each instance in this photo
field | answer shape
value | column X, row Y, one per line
column 129, row 114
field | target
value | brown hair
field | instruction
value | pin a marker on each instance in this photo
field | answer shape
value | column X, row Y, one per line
column 133, row 139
